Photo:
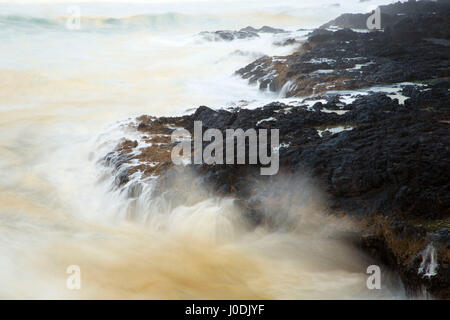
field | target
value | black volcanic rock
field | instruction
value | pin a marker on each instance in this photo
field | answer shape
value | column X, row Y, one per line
column 287, row 42
column 347, row 60
column 264, row 29
column 391, row 14
column 391, row 164
column 381, row 162
column 244, row 33
column 228, row 35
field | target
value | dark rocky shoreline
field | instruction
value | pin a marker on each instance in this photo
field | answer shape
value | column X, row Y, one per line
column 349, row 60
column 388, row 163
column 244, row 33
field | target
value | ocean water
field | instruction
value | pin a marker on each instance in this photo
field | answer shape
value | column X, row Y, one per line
column 64, row 97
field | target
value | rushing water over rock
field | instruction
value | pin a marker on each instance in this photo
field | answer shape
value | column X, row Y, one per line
column 64, row 197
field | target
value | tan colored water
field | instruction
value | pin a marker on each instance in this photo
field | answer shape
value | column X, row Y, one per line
column 58, row 93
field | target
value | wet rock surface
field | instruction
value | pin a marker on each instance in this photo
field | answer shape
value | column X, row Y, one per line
column 391, row 165
column 390, row 14
column 244, row 33
column 348, row 60
column 380, row 160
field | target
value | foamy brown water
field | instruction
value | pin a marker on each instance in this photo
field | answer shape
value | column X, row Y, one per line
column 61, row 93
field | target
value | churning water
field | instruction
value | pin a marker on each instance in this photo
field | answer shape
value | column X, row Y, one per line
column 63, row 95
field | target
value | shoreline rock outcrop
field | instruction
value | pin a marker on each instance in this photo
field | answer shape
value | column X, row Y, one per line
column 390, row 14
column 244, row 33
column 349, row 60
column 381, row 161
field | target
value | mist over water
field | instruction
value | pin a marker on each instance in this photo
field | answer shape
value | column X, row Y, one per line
column 63, row 95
